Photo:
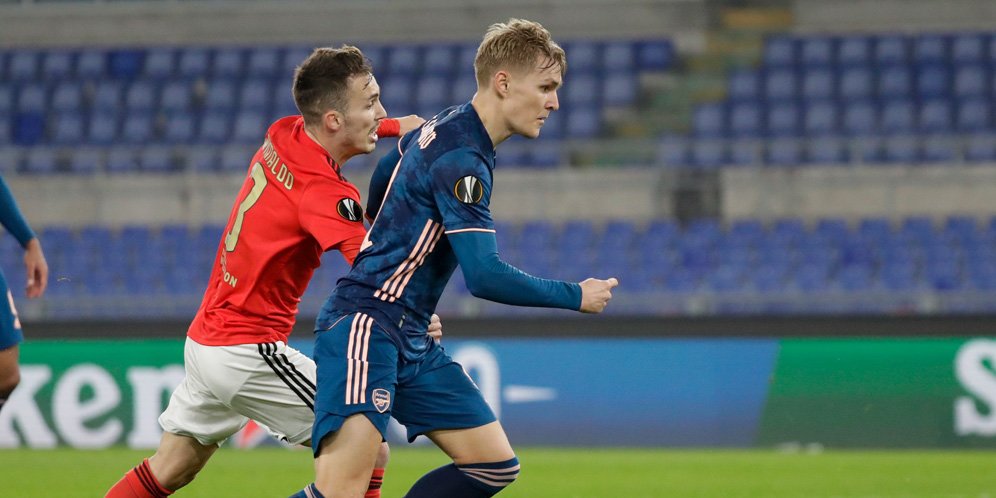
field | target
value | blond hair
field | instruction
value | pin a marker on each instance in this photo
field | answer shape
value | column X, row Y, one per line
column 320, row 82
column 516, row 45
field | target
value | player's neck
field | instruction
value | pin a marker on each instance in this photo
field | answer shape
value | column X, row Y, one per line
column 327, row 143
column 489, row 111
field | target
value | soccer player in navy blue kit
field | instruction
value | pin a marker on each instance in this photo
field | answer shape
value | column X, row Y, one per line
column 374, row 359
column 37, row 271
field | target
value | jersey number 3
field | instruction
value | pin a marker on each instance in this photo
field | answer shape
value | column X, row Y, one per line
column 258, row 184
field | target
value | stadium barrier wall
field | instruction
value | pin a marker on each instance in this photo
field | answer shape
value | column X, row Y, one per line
column 844, row 392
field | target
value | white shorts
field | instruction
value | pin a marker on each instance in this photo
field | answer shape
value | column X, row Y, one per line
column 225, row 386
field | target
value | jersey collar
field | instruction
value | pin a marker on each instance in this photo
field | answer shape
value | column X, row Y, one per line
column 308, row 143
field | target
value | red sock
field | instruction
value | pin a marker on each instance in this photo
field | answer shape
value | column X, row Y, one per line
column 139, row 483
column 376, row 479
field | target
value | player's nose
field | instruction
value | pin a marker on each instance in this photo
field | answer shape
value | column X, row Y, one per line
column 553, row 103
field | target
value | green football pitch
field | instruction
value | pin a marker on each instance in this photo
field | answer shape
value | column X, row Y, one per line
column 557, row 473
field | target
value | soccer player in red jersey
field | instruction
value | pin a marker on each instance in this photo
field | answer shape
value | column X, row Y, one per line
column 293, row 206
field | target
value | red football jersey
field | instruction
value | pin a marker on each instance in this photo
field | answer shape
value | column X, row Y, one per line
column 293, row 206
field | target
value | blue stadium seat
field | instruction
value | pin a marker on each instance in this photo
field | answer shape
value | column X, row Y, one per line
column 620, row 89
column 263, row 62
column 784, row 152
column 177, row 96
column 968, row 48
column 936, row 116
column 439, row 59
column 283, row 99
column 619, row 56
column 727, row 278
column 433, row 91
column 28, row 128
column 194, row 62
column 547, row 154
column 6, row 98
column 891, row 50
column 180, row 128
column 121, row 160
column 107, row 96
column 463, row 89
column 514, row 154
column 708, row 154
column 971, row 81
column 853, row 278
column 202, row 159
column 396, row 95
column 745, row 120
column 229, row 62
column 138, row 127
column 40, row 160
column 91, row 64
column 250, row 127
column 974, row 115
column 709, row 120
column 221, row 95
column 780, row 84
column 86, row 161
column 466, row 53
column 779, row 51
column 930, row 49
column 816, row 51
column 810, row 278
column 32, row 98
column 673, row 151
column 827, row 150
column 67, row 96
column 141, row 96
column 932, row 81
column 744, row 85
column 255, row 95
column 856, row 83
column 894, row 82
column 868, row 149
column 125, row 63
column 57, row 65
column 898, row 116
column 653, row 55
column 783, row 120
column 820, row 118
column 103, row 128
column 859, row 118
column 585, row 56
column 157, row 160
column 980, row 147
column 854, row 50
column 583, row 123
column 67, row 128
column 745, row 153
column 294, row 56
column 554, row 127
column 403, row 61
column 6, row 132
column 818, row 83
column 215, row 127
column 160, row 63
column 22, row 66
column 236, row 158
column 584, row 89
column 901, row 149
column 939, row 149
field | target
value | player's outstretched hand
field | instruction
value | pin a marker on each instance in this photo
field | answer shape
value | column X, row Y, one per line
column 409, row 123
column 435, row 328
column 37, row 269
column 596, row 293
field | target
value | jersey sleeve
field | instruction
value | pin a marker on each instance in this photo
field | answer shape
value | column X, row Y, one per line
column 381, row 176
column 331, row 213
column 11, row 217
column 461, row 186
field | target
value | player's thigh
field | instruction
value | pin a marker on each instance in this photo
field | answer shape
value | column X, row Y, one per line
column 280, row 391
column 486, row 443
column 357, row 367
column 438, row 395
column 10, row 374
column 10, row 325
column 199, row 408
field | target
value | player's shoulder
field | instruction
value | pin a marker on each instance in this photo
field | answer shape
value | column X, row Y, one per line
column 449, row 136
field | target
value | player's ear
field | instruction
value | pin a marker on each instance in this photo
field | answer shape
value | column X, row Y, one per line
column 332, row 120
column 500, row 82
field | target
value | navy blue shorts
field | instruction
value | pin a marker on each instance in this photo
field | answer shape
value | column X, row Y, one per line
column 360, row 370
column 10, row 326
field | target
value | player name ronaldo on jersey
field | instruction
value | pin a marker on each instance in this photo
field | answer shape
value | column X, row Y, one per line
column 441, row 185
column 293, row 206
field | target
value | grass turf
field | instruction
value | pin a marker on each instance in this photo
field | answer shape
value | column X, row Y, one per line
column 555, row 473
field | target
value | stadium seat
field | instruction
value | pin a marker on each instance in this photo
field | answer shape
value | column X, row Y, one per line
column 439, row 59
column 236, row 158
column 67, row 128
column 107, row 97
column 816, row 52
column 974, row 115
column 619, row 89
column 294, row 56
column 86, row 161
column 783, row 120
column 177, row 96
column 6, row 98
column 547, row 154
column 202, row 159
column 968, row 48
column 708, row 154
column 138, row 127
column 898, row 116
column 40, row 160
column 396, row 95
column 194, row 62
column 784, row 152
column 583, row 123
column 585, row 56
column 859, row 119
column 854, row 50
column 141, row 96
column 584, row 89
column 6, row 135
column 179, row 128
column 818, row 83
column 653, row 55
column 891, row 50
column 971, row 81
column 980, row 148
column 403, row 61
column 121, row 160
column 250, row 127
column 745, row 120
column 936, row 116
column 856, row 83
column 779, row 52
column 930, row 49
column 780, row 84
column 745, row 153
column 744, row 85
column 463, row 89
column 28, row 128
column 32, row 98
column 895, row 82
column 939, row 149
column 22, row 66
column 433, row 92
column 57, row 65
column 103, row 128
column 283, row 104
column 228, row 63
column 215, row 127
column 160, row 64
column 932, row 81
column 221, row 96
column 255, row 95
column 673, row 151
column 619, row 56
column 827, row 150
column 91, row 64
column 901, row 149
column 709, row 120
column 156, row 159
column 820, row 118
column 263, row 62
column 67, row 96
column 125, row 64
column 854, row 278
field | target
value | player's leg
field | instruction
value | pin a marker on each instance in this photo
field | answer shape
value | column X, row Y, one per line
column 280, row 395
column 444, row 404
column 357, row 374
column 195, row 423
column 10, row 337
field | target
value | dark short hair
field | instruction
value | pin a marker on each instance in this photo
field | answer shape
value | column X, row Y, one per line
column 320, row 81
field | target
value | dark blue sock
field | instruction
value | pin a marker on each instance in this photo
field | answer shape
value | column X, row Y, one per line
column 480, row 480
column 309, row 491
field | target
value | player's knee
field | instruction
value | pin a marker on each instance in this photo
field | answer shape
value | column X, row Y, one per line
column 492, row 477
column 383, row 456
column 9, row 381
